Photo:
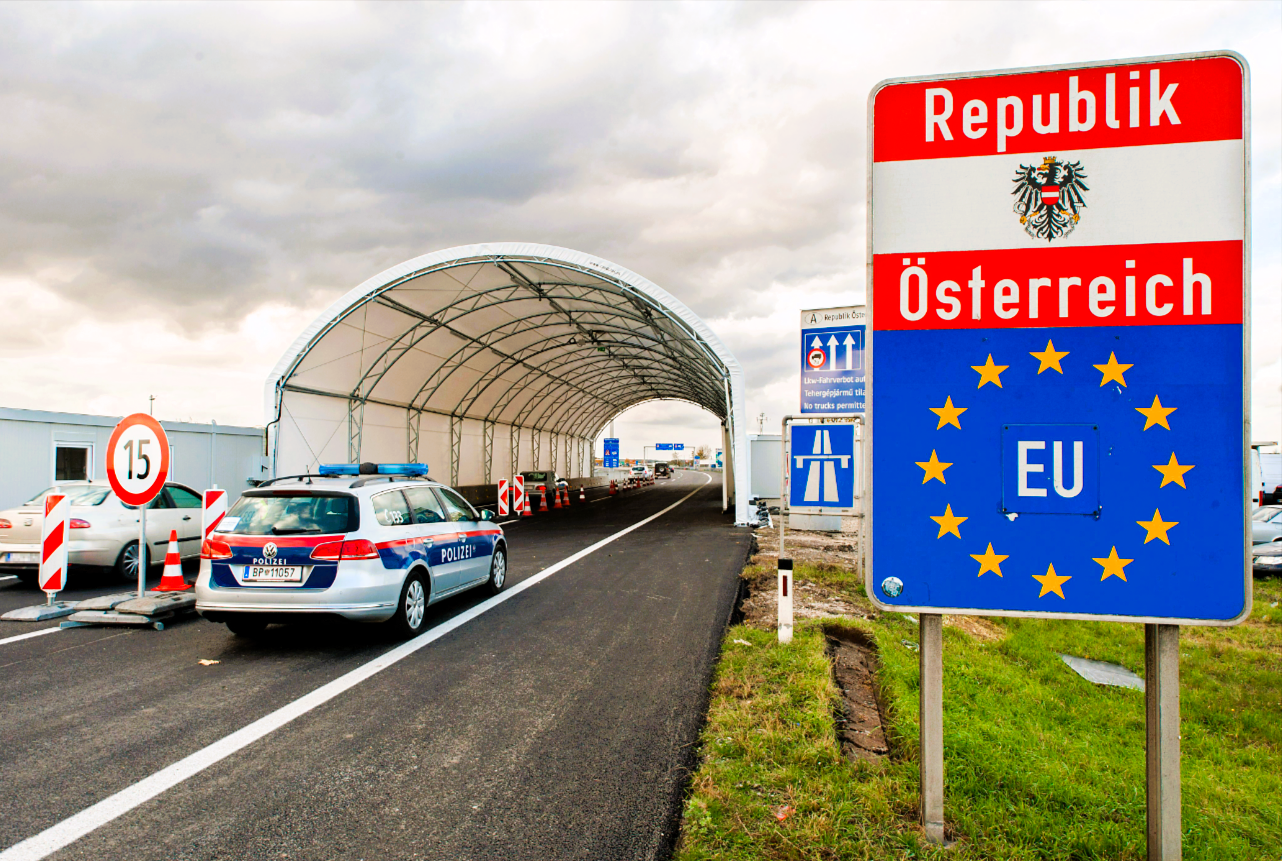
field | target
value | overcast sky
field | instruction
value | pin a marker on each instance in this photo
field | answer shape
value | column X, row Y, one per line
column 183, row 187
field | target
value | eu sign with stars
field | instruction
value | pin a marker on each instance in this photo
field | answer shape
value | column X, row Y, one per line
column 1057, row 368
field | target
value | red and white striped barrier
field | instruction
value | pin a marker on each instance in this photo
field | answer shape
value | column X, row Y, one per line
column 520, row 502
column 503, row 510
column 213, row 510
column 53, row 544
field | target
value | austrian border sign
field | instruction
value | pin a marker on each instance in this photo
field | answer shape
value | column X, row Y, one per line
column 1059, row 378
column 832, row 361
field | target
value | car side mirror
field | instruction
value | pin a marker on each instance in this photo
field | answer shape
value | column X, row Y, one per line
column 486, row 514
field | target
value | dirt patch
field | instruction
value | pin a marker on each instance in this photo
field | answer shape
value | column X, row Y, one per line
column 823, row 548
column 760, row 605
column 977, row 626
column 859, row 715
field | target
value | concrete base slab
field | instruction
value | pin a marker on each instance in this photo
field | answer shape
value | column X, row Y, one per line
column 1103, row 673
column 111, row 617
column 110, row 602
column 41, row 612
column 158, row 603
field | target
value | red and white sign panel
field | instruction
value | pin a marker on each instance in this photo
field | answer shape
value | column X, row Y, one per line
column 518, row 494
column 214, row 510
column 503, row 510
column 53, row 544
column 137, row 459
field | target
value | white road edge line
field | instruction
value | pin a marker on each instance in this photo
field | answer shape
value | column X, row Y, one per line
column 30, row 634
column 9, row 577
column 91, row 818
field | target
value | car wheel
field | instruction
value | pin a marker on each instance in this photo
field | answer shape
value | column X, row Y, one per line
column 246, row 625
column 498, row 572
column 411, row 611
column 127, row 562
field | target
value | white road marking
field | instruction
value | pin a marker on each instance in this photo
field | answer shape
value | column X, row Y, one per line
column 110, row 808
column 29, row 635
column 9, row 577
column 506, row 522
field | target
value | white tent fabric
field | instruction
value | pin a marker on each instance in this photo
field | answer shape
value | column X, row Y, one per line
column 485, row 360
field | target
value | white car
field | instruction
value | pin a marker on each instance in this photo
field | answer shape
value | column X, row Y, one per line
column 103, row 530
column 350, row 541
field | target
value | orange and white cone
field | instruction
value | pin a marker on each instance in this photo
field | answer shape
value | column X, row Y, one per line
column 583, row 496
column 527, row 510
column 614, row 488
column 556, row 497
column 172, row 580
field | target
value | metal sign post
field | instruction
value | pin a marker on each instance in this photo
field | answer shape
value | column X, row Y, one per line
column 1058, row 370
column 137, row 467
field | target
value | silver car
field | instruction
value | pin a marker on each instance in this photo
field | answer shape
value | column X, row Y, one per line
column 369, row 547
column 1266, row 524
column 103, row 530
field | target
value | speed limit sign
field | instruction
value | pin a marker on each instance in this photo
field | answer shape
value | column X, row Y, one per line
column 137, row 459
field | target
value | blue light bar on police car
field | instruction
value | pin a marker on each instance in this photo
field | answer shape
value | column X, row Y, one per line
column 402, row 469
column 339, row 469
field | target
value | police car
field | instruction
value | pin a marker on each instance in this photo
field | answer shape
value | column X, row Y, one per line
column 370, row 542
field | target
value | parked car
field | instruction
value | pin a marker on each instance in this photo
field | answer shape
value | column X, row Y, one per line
column 369, row 543
column 639, row 472
column 1267, row 558
column 662, row 470
column 103, row 531
column 1266, row 524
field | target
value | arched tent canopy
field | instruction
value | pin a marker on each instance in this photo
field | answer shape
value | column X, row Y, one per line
column 486, row 360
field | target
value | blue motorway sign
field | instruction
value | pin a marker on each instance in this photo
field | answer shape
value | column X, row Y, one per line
column 611, row 458
column 663, row 446
column 821, row 468
column 832, row 361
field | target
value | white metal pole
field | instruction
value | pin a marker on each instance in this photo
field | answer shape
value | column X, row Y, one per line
column 1162, row 740
column 931, row 722
column 142, row 550
column 786, row 584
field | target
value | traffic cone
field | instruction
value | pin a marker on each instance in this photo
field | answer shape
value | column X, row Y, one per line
column 583, row 496
column 172, row 580
column 543, row 501
column 614, row 490
column 527, row 509
column 565, row 496
column 556, row 497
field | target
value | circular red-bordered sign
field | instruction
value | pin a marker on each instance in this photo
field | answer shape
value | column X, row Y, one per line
column 138, row 459
column 816, row 358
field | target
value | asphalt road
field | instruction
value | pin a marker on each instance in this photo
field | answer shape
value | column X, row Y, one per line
column 559, row 723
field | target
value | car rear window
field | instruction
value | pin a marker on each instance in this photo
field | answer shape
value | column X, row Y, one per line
column 292, row 513
column 76, row 495
column 535, row 476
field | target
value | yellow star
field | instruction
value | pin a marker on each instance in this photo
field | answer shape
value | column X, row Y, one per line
column 1113, row 370
column 934, row 468
column 1156, row 414
column 989, row 561
column 1172, row 471
column 948, row 522
column 1051, row 582
column 948, row 414
column 1113, row 565
column 989, row 373
column 1157, row 527
column 1049, row 358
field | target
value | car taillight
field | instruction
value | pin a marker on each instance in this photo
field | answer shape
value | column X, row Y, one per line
column 358, row 548
column 77, row 523
column 4, row 524
column 215, row 549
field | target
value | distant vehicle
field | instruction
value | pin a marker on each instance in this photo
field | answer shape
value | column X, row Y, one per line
column 1266, row 524
column 1267, row 558
column 369, row 543
column 639, row 471
column 1271, row 476
column 662, row 470
column 538, row 481
column 103, row 531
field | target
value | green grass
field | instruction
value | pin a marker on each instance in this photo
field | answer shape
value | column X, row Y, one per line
column 1040, row 764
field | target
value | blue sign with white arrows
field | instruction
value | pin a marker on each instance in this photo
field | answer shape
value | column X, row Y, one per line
column 821, row 468
column 832, row 361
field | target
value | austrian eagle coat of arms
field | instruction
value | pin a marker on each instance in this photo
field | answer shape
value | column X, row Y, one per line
column 1048, row 197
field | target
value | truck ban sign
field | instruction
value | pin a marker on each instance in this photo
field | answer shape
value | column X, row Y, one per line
column 1057, row 374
